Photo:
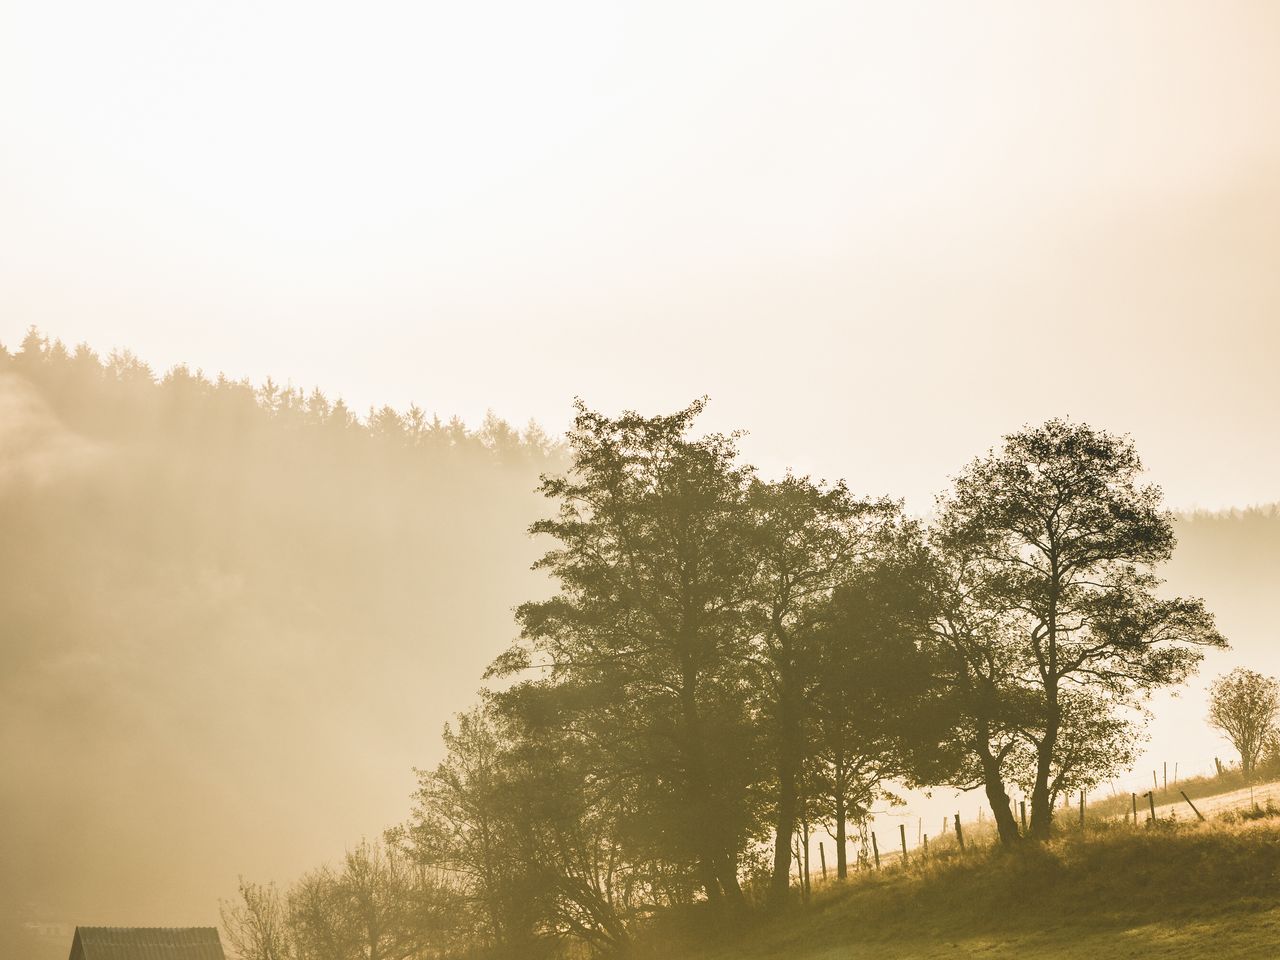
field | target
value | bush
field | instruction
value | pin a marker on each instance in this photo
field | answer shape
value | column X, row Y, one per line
column 1251, row 813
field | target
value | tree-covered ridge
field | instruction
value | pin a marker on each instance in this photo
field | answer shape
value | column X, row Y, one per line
column 120, row 397
column 209, row 585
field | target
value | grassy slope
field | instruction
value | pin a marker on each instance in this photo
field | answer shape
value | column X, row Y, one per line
column 1190, row 891
column 1211, row 793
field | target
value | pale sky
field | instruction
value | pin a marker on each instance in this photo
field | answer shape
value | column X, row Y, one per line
column 878, row 235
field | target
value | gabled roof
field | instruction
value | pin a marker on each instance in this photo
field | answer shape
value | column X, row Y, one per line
column 146, row 943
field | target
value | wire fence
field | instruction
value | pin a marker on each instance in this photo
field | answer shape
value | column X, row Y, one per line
column 1173, row 793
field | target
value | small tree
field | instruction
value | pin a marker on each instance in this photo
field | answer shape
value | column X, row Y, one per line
column 1244, row 705
column 377, row 905
column 257, row 924
column 462, row 825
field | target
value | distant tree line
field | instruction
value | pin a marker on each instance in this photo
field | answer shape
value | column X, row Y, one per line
column 120, row 395
column 729, row 663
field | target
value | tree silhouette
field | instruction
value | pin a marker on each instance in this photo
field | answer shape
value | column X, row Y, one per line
column 654, row 571
column 1244, row 705
column 1065, row 538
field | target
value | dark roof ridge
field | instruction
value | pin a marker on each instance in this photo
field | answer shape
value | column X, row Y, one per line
column 146, row 943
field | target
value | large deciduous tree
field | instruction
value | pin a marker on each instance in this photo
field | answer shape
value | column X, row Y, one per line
column 654, row 569
column 1064, row 538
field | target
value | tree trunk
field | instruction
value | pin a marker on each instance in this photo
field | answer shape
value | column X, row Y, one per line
column 1041, row 801
column 710, row 883
column 698, row 786
column 993, row 782
column 788, row 777
column 730, row 885
column 998, row 797
column 804, row 834
column 842, row 861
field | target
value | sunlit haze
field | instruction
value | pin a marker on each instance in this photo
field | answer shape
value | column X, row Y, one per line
column 877, row 236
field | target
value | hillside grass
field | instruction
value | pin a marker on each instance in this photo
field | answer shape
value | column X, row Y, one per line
column 1108, row 892
column 1197, row 788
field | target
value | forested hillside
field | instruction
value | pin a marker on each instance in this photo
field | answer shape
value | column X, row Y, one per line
column 234, row 617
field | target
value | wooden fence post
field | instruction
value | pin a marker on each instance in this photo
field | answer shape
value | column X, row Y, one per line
column 1023, row 804
column 1151, row 799
column 1135, row 808
column 875, row 849
column 1190, row 804
column 822, row 855
column 1081, row 808
column 1166, row 776
column 902, row 830
column 959, row 832
column 926, row 845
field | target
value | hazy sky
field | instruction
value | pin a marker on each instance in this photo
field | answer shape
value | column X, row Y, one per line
column 878, row 236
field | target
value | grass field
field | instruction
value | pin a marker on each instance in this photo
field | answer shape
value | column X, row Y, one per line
column 1179, row 890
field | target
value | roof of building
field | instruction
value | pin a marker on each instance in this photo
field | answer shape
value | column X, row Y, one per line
column 146, row 943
